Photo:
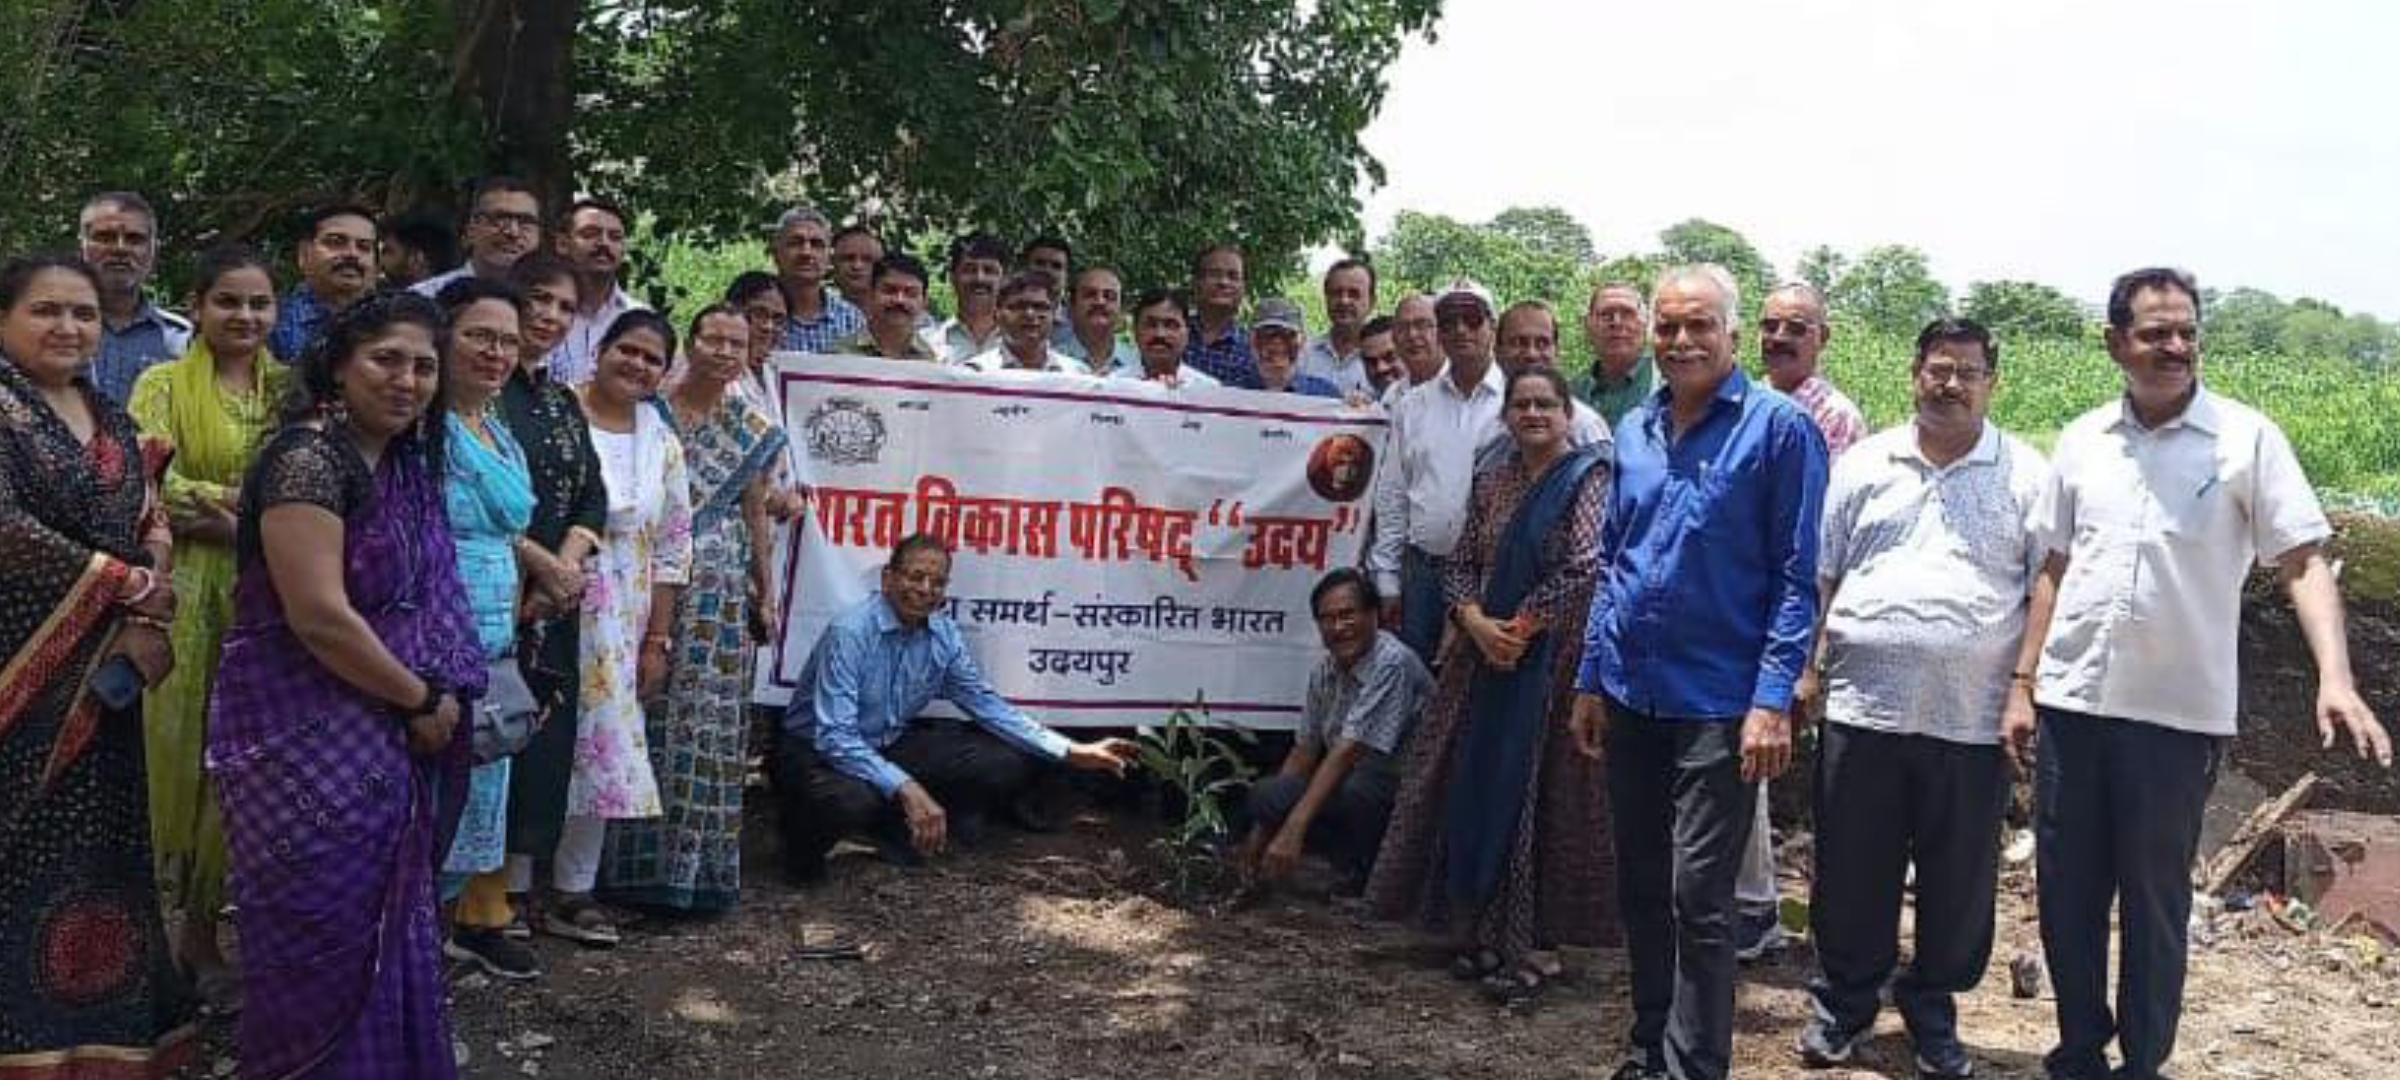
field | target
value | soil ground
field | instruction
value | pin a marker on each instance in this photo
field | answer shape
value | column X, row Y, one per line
column 1050, row 956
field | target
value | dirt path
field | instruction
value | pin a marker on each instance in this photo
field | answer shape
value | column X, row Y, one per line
column 1036, row 958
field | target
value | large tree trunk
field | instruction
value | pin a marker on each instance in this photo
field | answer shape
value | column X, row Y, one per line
column 513, row 62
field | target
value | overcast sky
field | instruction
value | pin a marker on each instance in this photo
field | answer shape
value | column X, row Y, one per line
column 2255, row 143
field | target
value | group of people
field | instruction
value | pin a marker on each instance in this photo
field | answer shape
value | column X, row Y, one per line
column 278, row 571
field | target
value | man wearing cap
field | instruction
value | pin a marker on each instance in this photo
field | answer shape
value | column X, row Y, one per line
column 803, row 252
column 1421, row 500
column 1275, row 332
column 897, row 285
column 1333, row 356
column 1617, row 323
column 1026, row 300
column 1219, row 345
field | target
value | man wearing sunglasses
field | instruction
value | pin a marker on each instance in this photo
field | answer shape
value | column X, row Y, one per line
column 1437, row 427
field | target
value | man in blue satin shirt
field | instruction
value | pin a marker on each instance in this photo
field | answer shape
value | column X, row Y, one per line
column 1704, row 615
column 855, row 756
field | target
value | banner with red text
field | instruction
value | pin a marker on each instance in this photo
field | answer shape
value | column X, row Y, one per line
column 1122, row 548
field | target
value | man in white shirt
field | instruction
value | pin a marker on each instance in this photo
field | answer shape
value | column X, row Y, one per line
column 1027, row 300
column 592, row 239
column 1421, row 499
column 504, row 222
column 1929, row 550
column 1414, row 346
column 978, row 261
column 2161, row 502
column 1162, row 330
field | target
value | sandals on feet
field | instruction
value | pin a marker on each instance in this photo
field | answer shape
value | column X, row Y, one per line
column 1474, row 964
column 1516, row 987
column 580, row 919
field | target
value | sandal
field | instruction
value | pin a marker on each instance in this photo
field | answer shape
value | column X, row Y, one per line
column 1475, row 964
column 1516, row 987
column 580, row 919
column 823, row 942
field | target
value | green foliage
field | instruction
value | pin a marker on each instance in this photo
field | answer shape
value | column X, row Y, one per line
column 1547, row 231
column 1198, row 766
column 1424, row 252
column 1142, row 128
column 2252, row 320
column 2017, row 310
column 2337, row 416
column 1888, row 290
column 1698, row 241
column 1821, row 266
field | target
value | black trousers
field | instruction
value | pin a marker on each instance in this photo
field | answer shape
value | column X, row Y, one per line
column 965, row 768
column 1682, row 815
column 1348, row 829
column 2117, row 807
column 1884, row 801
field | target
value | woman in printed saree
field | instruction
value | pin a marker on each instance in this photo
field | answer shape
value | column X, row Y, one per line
column 570, row 508
column 489, row 493
column 212, row 407
column 690, row 859
column 336, row 731
column 86, row 986
column 1500, row 831
column 627, row 612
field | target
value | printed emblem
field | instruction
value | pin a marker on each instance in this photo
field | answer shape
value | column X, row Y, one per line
column 844, row 431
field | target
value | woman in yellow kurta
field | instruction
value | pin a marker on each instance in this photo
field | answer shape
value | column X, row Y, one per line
column 213, row 405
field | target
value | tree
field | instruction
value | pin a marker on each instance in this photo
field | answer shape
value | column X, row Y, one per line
column 1821, row 266
column 1140, row 128
column 1547, row 230
column 1698, row 241
column 2243, row 321
column 2025, row 309
column 1889, row 290
column 1426, row 251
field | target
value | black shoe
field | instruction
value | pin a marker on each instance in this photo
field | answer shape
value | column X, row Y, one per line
column 495, row 952
column 804, row 873
column 1757, row 933
column 1943, row 1058
column 1822, row 1046
column 1635, row 1070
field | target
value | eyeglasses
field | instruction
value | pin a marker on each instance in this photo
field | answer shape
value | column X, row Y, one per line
column 1780, row 327
column 502, row 219
column 1938, row 374
column 485, row 339
column 1471, row 320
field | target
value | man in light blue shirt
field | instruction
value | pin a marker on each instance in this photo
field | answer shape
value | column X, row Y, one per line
column 119, row 235
column 854, row 754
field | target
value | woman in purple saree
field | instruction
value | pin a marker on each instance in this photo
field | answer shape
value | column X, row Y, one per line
column 337, row 724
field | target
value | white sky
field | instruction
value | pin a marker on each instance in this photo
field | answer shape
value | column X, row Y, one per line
column 2255, row 143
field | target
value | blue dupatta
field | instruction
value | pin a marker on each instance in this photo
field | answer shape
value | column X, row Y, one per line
column 1505, row 708
column 735, row 444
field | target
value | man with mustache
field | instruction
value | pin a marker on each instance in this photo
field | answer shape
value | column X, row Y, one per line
column 1380, row 355
column 337, row 266
column 1051, row 254
column 816, row 316
column 118, row 232
column 1437, row 428
column 1528, row 337
column 978, row 261
column 416, row 245
column 898, row 282
column 1700, row 626
column 592, row 239
column 2161, row 503
column 1093, row 306
column 1334, row 355
column 1617, row 324
column 1929, row 552
column 504, row 224
column 1162, row 329
column 1792, row 333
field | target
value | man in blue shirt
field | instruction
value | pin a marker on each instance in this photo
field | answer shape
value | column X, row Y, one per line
column 1276, row 331
column 855, row 756
column 118, row 232
column 1219, row 346
column 337, row 266
column 1703, row 619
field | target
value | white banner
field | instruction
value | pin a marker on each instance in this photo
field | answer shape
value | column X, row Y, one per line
column 1122, row 549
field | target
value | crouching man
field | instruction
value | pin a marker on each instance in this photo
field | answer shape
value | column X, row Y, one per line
column 857, row 758
column 1334, row 792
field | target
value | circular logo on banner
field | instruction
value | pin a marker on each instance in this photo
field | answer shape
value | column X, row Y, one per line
column 844, row 431
column 1339, row 468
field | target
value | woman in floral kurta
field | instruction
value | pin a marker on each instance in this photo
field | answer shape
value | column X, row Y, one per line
column 644, row 560
column 212, row 406
column 690, row 859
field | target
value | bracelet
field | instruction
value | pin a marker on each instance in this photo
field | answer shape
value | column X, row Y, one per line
column 149, row 580
column 660, row 640
column 2025, row 677
column 148, row 621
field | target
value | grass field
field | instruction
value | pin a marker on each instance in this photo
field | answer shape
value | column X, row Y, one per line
column 2343, row 422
